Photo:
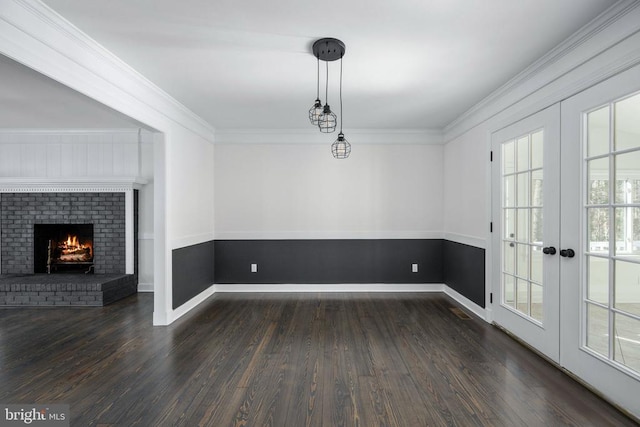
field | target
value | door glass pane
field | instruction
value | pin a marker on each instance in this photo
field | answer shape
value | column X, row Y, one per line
column 509, row 191
column 627, row 341
column 627, row 287
column 509, row 222
column 627, row 171
column 598, row 132
column 522, row 234
column 509, row 257
column 522, row 153
column 598, row 329
column 522, row 296
column 536, row 302
column 628, row 232
column 522, row 198
column 508, row 157
column 509, row 291
column 536, row 226
column 598, row 173
column 598, row 280
column 536, row 149
column 536, row 264
column 536, row 188
column 598, row 230
column 627, row 125
column 522, row 262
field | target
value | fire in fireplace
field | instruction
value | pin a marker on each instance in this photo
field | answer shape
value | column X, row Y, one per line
column 71, row 250
column 63, row 248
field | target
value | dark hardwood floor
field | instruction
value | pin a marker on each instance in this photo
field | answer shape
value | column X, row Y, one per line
column 286, row 360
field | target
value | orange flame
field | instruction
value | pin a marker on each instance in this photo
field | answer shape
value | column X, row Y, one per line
column 72, row 245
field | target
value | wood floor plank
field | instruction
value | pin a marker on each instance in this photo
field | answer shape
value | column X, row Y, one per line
column 286, row 360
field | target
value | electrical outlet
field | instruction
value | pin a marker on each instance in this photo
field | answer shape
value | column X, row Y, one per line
column 254, row 268
column 414, row 268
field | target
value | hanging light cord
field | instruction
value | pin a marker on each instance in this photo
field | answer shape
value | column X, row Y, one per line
column 326, row 94
column 340, row 94
column 318, row 80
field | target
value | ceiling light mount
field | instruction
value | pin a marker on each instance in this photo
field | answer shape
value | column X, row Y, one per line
column 328, row 49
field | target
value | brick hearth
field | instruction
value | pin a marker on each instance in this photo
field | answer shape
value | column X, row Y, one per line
column 65, row 289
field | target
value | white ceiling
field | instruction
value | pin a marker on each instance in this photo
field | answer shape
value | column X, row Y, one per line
column 409, row 64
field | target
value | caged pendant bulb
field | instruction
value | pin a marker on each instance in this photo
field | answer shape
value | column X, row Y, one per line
column 315, row 112
column 341, row 147
column 328, row 120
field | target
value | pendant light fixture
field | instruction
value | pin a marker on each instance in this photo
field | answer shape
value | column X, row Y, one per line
column 341, row 147
column 329, row 49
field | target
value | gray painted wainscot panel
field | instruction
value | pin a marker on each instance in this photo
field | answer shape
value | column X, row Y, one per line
column 193, row 271
column 329, row 261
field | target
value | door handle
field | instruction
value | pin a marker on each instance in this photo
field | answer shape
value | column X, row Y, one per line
column 567, row 253
column 550, row 250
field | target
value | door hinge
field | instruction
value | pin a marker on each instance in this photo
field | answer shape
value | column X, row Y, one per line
column 491, row 298
column 491, row 227
column 491, row 156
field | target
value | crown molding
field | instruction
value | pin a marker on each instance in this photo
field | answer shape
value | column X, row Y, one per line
column 614, row 25
column 313, row 136
column 35, row 35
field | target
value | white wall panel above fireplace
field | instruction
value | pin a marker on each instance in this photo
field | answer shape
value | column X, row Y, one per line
column 70, row 153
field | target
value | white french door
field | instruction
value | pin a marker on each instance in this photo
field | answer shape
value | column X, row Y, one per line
column 566, row 238
column 600, row 220
column 525, row 206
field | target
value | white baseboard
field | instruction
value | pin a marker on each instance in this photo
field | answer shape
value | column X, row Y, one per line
column 466, row 303
column 145, row 287
column 192, row 303
column 350, row 287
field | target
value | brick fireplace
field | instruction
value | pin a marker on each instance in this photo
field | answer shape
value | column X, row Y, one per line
column 30, row 222
column 21, row 211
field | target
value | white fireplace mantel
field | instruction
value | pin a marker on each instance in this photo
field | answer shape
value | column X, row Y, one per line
column 71, row 185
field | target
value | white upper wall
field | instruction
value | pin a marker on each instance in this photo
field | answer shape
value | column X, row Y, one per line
column 190, row 184
column 290, row 191
column 465, row 188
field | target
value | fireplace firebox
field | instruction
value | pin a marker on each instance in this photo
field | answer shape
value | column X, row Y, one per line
column 63, row 248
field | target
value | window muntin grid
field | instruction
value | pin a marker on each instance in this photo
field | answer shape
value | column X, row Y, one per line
column 611, row 288
column 522, row 176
